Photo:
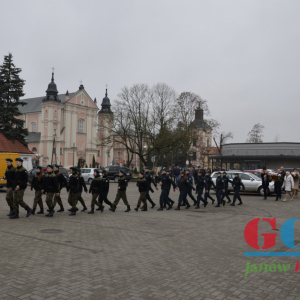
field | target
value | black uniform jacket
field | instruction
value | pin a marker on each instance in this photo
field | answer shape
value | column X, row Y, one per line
column 96, row 185
column 143, row 185
column 73, row 186
column 184, row 184
column 50, row 183
column 21, row 178
column 10, row 176
column 122, row 183
column 36, row 184
column 167, row 182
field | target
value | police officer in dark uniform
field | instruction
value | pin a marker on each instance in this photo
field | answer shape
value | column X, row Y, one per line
column 220, row 189
column 149, row 178
column 236, row 184
column 82, row 186
column 9, row 175
column 165, row 181
column 62, row 182
column 225, row 194
column 184, row 185
column 189, row 192
column 104, row 193
column 170, row 200
column 20, row 184
column 209, row 183
column 200, row 186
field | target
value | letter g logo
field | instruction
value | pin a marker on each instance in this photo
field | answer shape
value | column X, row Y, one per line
column 251, row 234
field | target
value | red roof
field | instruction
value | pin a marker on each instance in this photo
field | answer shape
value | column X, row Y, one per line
column 7, row 145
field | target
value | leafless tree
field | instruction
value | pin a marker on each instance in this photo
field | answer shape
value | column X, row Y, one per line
column 223, row 138
column 276, row 138
column 256, row 134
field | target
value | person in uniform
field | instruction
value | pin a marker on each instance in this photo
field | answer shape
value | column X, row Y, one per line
column 51, row 188
column 189, row 191
column 200, row 186
column 277, row 186
column 170, row 200
column 62, row 182
column 73, row 189
column 184, row 185
column 144, row 188
column 104, row 192
column 95, row 189
column 9, row 175
column 220, row 189
column 265, row 182
column 121, row 194
column 165, row 181
column 20, row 184
column 209, row 183
column 236, row 184
column 225, row 194
column 37, row 185
column 149, row 178
column 82, row 185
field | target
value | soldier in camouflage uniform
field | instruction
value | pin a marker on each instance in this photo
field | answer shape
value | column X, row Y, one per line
column 96, row 190
column 121, row 194
column 62, row 182
column 50, row 186
column 144, row 187
column 82, row 185
column 73, row 189
column 20, row 184
column 149, row 179
column 37, row 185
column 9, row 175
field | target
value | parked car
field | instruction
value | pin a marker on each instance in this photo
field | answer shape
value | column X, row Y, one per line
column 88, row 174
column 251, row 182
column 113, row 172
column 32, row 173
column 291, row 170
column 271, row 171
column 255, row 172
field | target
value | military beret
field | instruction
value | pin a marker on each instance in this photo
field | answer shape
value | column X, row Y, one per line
column 181, row 172
column 19, row 159
column 56, row 166
column 199, row 171
column 50, row 166
column 123, row 172
column 9, row 159
column 224, row 172
column 207, row 172
column 236, row 173
column 187, row 170
column 164, row 169
column 44, row 169
column 104, row 171
column 73, row 168
column 199, row 166
column 219, row 173
column 168, row 170
column 147, row 168
column 78, row 169
column 95, row 170
column 39, row 167
column 142, row 173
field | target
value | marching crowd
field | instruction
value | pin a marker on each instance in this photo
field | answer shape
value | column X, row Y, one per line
column 200, row 181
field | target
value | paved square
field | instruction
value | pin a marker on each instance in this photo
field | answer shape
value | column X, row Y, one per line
column 186, row 254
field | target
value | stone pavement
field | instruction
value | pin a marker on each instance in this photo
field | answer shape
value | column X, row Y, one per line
column 186, row 254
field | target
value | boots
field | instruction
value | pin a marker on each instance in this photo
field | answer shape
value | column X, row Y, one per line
column 197, row 206
column 213, row 201
column 224, row 202
column 153, row 204
column 61, row 209
column 177, row 208
column 144, row 208
column 128, row 209
column 137, row 208
column 41, row 212
column 169, row 207
column 112, row 208
column 73, row 212
column 160, row 209
column 15, row 215
column 99, row 208
column 195, row 203
column 188, row 206
column 218, row 205
column 205, row 203
column 51, row 212
column 229, row 201
column 29, row 211
column 84, row 208
column 172, row 202
column 91, row 212
column 11, row 212
column 240, row 203
column 33, row 211
column 232, row 204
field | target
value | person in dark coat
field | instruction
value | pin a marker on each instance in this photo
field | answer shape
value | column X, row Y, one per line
column 277, row 186
column 237, row 184
column 82, row 186
column 104, row 193
column 184, row 186
column 220, row 189
column 265, row 182
column 200, row 187
column 282, row 173
column 144, row 188
column 225, row 194
column 37, row 185
column 209, row 184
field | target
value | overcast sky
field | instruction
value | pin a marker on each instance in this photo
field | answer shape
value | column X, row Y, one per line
column 242, row 56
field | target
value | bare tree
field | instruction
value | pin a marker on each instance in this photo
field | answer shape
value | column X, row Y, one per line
column 276, row 138
column 224, row 137
column 256, row 134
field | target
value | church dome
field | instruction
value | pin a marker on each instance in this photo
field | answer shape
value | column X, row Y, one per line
column 105, row 105
column 51, row 93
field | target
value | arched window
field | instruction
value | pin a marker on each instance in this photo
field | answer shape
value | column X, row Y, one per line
column 33, row 127
column 34, row 149
column 80, row 125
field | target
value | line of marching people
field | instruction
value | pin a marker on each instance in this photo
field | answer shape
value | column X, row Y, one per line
column 53, row 182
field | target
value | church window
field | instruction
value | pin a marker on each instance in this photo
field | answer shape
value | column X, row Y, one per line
column 33, row 127
column 82, row 102
column 54, row 132
column 61, row 151
column 80, row 125
column 34, row 149
column 99, row 153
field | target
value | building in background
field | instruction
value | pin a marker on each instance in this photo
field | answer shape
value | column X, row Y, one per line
column 12, row 146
